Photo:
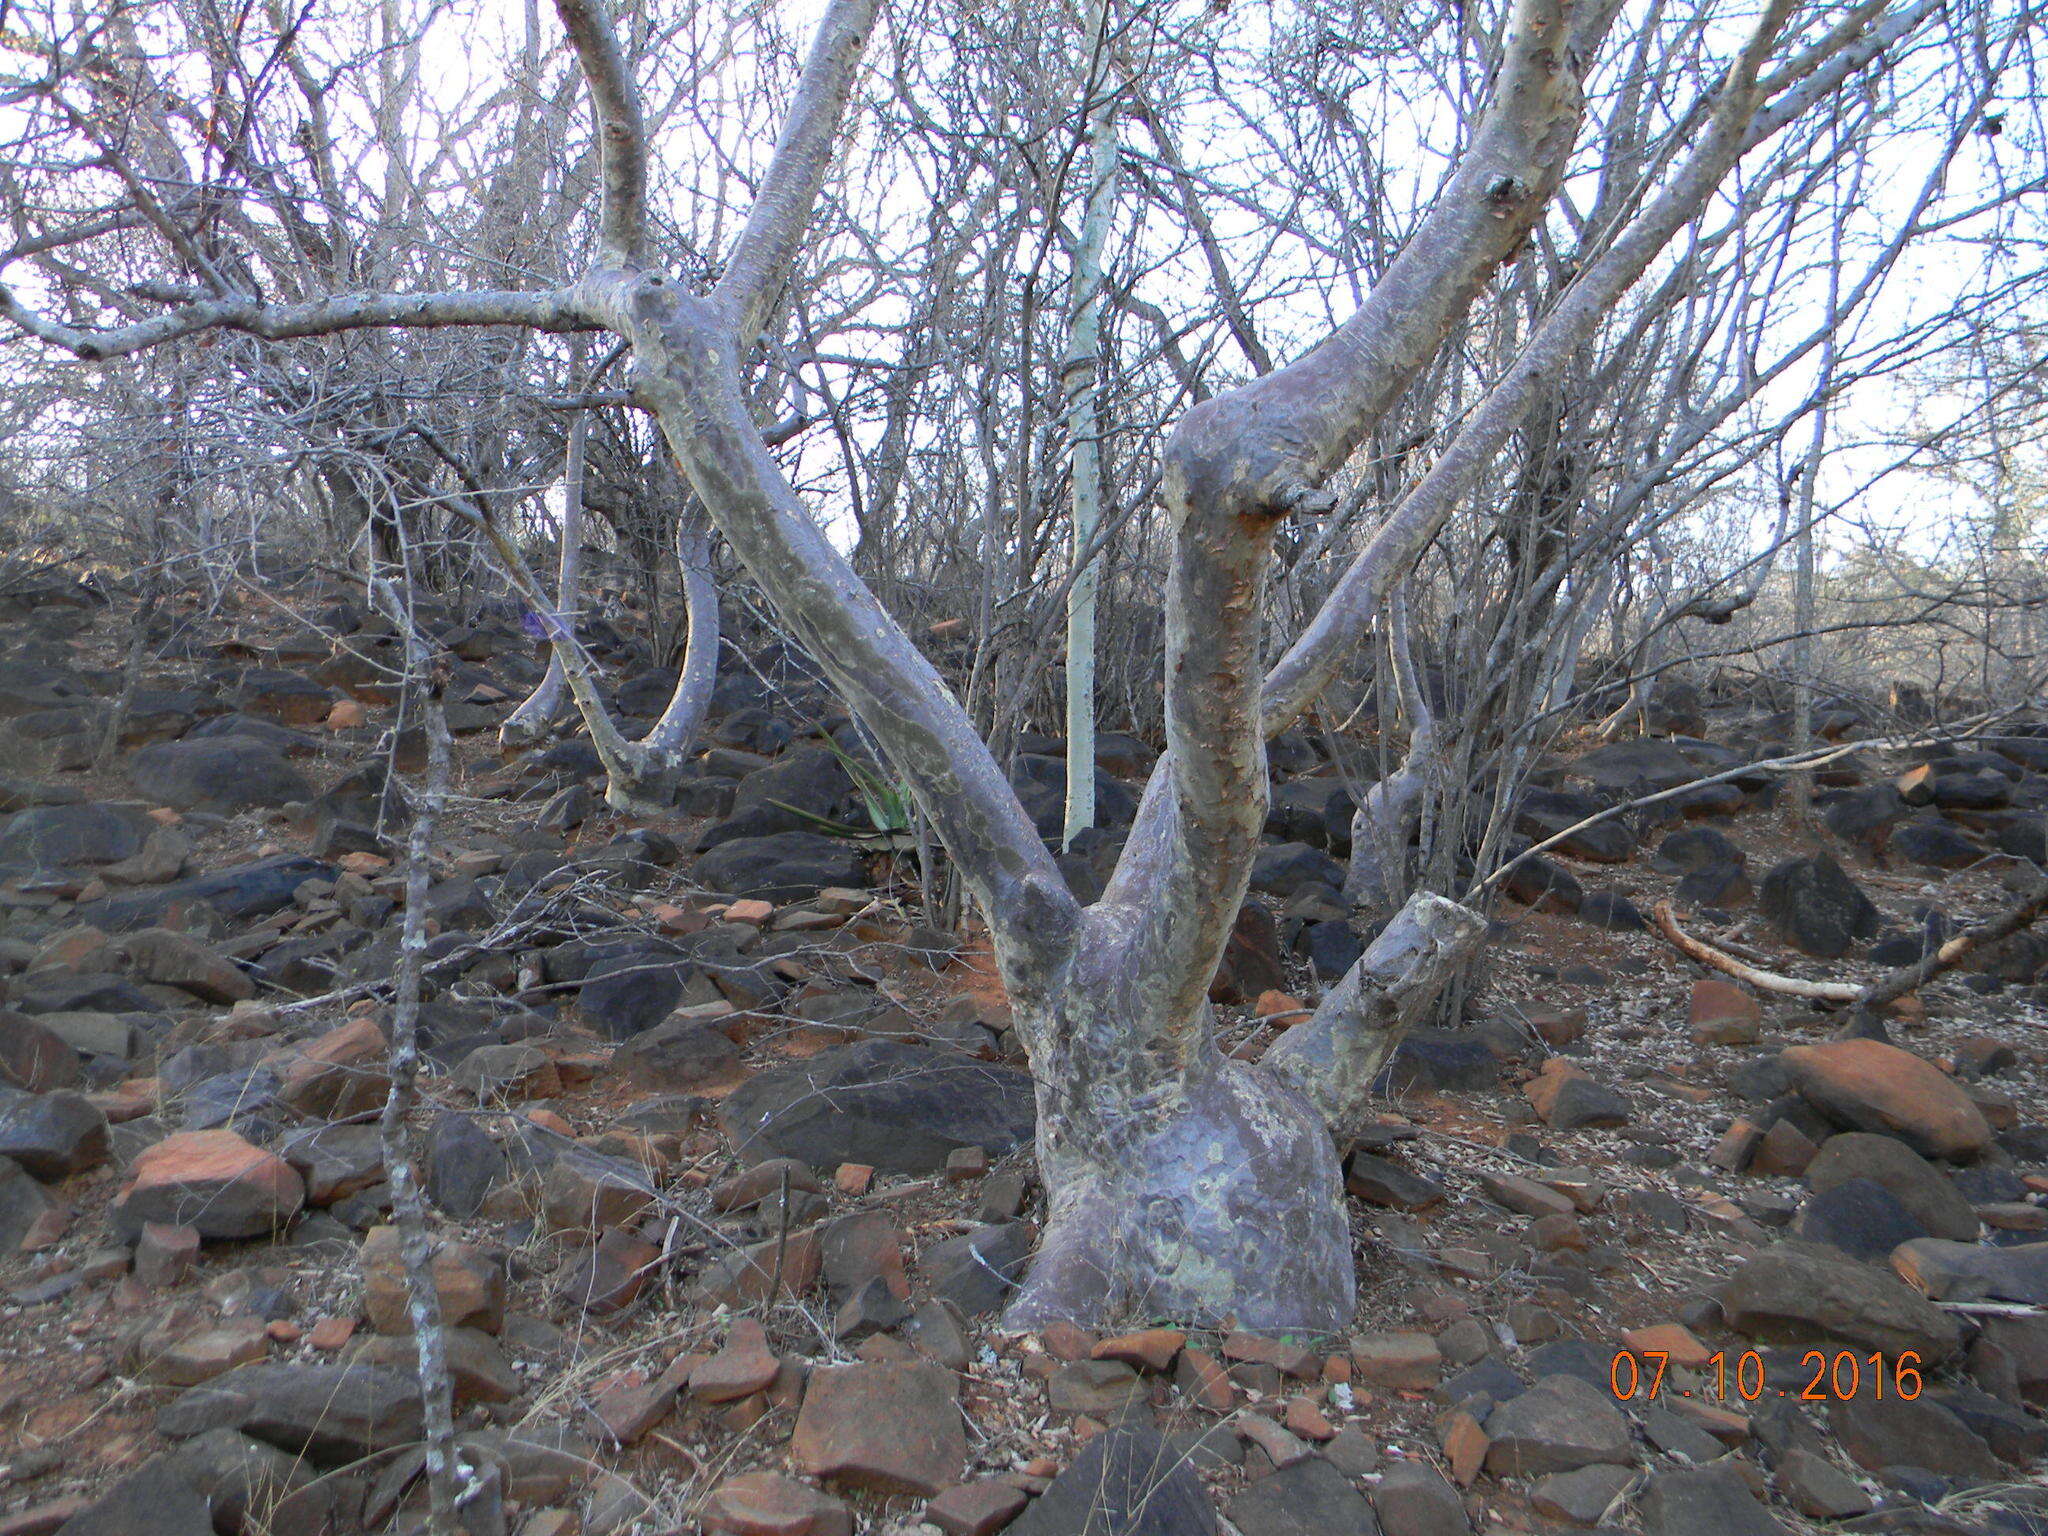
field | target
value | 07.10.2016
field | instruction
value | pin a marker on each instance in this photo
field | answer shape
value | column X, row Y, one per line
column 1828, row 1378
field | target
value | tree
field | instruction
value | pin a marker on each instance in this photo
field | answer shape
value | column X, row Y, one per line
column 1180, row 1182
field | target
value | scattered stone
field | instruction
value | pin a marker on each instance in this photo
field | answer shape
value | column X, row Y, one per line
column 212, row 1181
column 1861, row 1218
column 1818, row 1489
column 890, row 1428
column 1559, row 1424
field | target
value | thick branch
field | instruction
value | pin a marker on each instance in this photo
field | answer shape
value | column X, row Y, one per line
column 2023, row 913
column 690, row 375
column 1735, row 126
column 621, row 130
column 1238, row 462
column 1762, row 980
column 1335, row 1057
column 761, row 261
column 553, row 310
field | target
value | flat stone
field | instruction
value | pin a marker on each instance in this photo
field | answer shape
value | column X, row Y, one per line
column 1581, row 1497
column 1412, row 1499
column 1818, row 1489
column 1402, row 1361
column 1379, row 1181
column 1310, row 1498
column 745, row 1365
column 1795, row 1293
column 766, row 1504
column 1558, row 1425
column 1706, row 1501
column 331, row 1413
column 894, row 1107
column 1128, row 1480
column 1152, row 1350
column 888, row 1428
column 976, row 1509
column 1946, row 1271
column 53, row 1135
column 1897, row 1431
column 154, row 1500
column 203, row 1354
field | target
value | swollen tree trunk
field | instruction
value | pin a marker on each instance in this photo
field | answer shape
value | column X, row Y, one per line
column 1081, row 372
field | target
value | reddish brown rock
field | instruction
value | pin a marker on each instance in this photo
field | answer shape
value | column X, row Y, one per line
column 888, row 1428
column 1152, row 1350
column 765, row 1504
column 469, row 1281
column 339, row 1074
column 212, row 1181
column 1723, row 1013
column 1871, row 1086
column 975, row 1509
column 173, row 960
column 165, row 1255
column 1408, row 1361
column 745, row 1366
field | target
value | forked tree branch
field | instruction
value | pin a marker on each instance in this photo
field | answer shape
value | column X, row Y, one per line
column 1737, row 123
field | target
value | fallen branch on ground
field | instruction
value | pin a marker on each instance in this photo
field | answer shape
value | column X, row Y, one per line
column 1762, row 980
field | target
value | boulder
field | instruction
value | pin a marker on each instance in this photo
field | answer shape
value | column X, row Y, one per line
column 1798, row 1293
column 233, row 773
column 1868, row 1085
column 787, row 866
column 213, row 1181
column 1816, row 908
column 60, row 836
column 1923, row 1189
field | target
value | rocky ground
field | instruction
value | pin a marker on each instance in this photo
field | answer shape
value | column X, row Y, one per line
column 728, row 1144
